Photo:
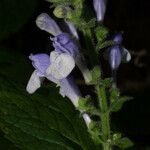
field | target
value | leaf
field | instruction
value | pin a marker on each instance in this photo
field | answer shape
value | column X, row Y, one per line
column 116, row 105
column 107, row 82
column 124, row 143
column 14, row 14
column 86, row 105
column 42, row 121
column 101, row 45
column 6, row 144
column 101, row 33
column 114, row 94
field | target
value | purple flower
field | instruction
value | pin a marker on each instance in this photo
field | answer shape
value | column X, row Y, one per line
column 115, row 57
column 100, row 8
column 68, row 87
column 64, row 43
column 63, row 58
column 40, row 62
column 117, row 53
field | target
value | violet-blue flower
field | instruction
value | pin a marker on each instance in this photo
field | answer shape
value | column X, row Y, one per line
column 63, row 58
column 68, row 87
column 117, row 53
column 40, row 62
column 64, row 43
column 100, row 8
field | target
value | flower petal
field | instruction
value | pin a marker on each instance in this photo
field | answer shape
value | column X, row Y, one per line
column 126, row 56
column 115, row 57
column 40, row 62
column 46, row 23
column 69, row 89
column 100, row 8
column 64, row 43
column 61, row 65
column 34, row 82
column 87, row 119
column 72, row 29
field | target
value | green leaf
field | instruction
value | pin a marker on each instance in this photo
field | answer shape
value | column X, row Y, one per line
column 116, row 136
column 6, row 144
column 114, row 94
column 101, row 45
column 42, row 121
column 101, row 33
column 107, row 82
column 83, row 103
column 117, row 104
column 14, row 14
column 124, row 143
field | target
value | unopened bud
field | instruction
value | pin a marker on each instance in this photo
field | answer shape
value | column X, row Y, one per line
column 62, row 12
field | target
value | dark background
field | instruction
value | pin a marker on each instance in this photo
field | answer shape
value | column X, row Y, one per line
column 19, row 34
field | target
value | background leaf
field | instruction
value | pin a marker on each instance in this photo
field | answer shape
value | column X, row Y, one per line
column 124, row 143
column 6, row 144
column 42, row 121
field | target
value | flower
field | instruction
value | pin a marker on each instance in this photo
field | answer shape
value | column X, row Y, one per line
column 100, row 8
column 67, row 85
column 117, row 53
column 66, row 53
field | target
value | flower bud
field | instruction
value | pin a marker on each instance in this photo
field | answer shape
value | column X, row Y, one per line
column 62, row 12
column 100, row 8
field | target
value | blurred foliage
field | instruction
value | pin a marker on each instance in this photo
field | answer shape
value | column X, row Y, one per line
column 14, row 14
column 6, row 144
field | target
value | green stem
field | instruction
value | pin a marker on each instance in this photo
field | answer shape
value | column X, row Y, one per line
column 105, row 116
column 90, row 50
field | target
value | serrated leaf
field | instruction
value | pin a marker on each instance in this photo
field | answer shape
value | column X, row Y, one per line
column 124, row 143
column 114, row 94
column 14, row 14
column 117, row 104
column 101, row 33
column 41, row 121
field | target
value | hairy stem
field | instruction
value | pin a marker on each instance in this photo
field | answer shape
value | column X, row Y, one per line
column 105, row 116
